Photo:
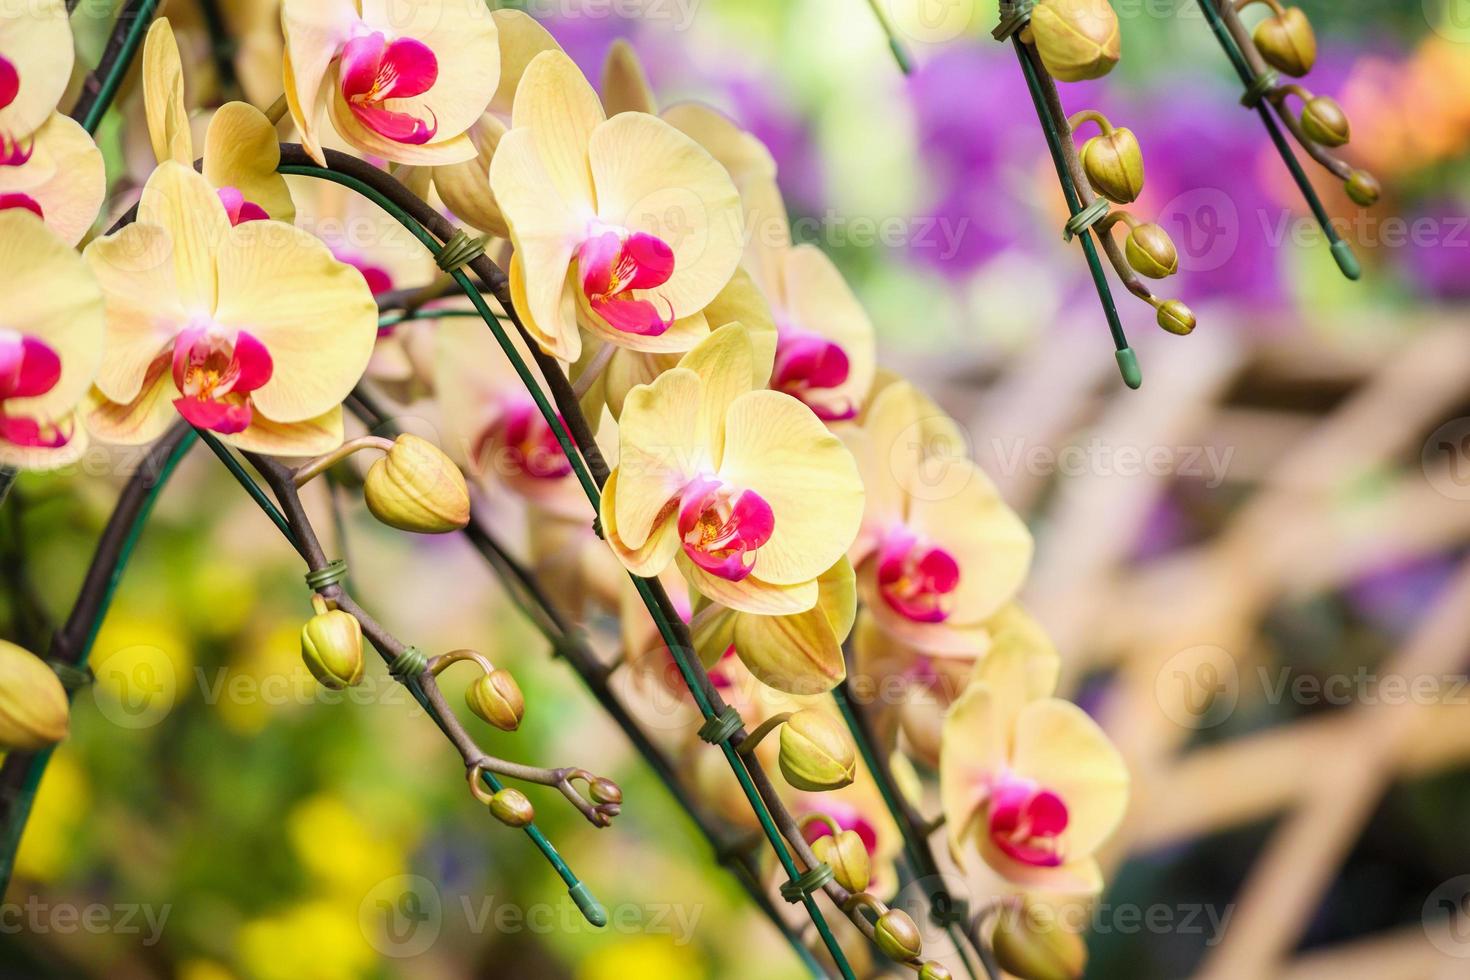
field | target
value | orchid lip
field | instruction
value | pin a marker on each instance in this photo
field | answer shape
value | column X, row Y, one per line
column 29, row 367
column 611, row 264
column 17, row 199
column 519, row 443
column 722, row 528
column 808, row 365
column 916, row 579
column 374, row 70
column 9, row 81
column 1026, row 821
column 239, row 208
column 215, row 375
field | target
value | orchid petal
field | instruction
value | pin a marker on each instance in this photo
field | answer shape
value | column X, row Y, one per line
column 660, row 451
column 37, row 43
column 625, row 87
column 241, row 150
column 657, row 546
column 142, row 418
column 521, row 38
column 163, row 96
column 972, row 750
column 751, row 594
column 64, row 177
column 143, row 314
column 307, row 437
column 315, row 31
column 1065, row 751
column 184, row 204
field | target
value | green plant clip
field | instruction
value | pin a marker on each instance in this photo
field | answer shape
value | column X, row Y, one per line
column 459, row 251
column 1085, row 219
column 322, row 578
column 810, row 881
column 410, row 663
column 721, row 726
column 1260, row 87
column 1014, row 15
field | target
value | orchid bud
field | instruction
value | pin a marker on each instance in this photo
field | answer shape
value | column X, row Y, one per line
column 1076, row 39
column 1151, row 251
column 1324, row 121
column 1175, row 317
column 1030, row 943
column 816, row 753
column 33, row 707
column 1113, row 163
column 1363, row 188
column 934, row 970
column 897, row 936
column 415, row 487
column 512, row 808
column 496, row 698
column 331, row 645
column 847, row 855
column 605, row 791
column 1286, row 42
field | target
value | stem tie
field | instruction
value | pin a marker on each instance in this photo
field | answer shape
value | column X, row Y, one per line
column 409, row 664
column 321, row 578
column 797, row 889
column 1085, row 219
column 721, row 726
column 1014, row 15
column 459, row 251
column 1260, row 87
column 72, row 678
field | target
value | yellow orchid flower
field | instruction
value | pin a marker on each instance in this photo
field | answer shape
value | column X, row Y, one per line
column 36, row 57
column 624, row 225
column 1028, row 780
column 745, row 488
column 50, row 343
column 399, row 81
column 253, row 331
column 57, row 174
column 939, row 551
column 241, row 151
column 826, row 352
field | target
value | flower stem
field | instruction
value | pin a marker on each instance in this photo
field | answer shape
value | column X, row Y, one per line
column 122, row 45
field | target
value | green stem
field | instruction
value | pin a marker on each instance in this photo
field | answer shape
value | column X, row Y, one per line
column 900, row 53
column 122, row 46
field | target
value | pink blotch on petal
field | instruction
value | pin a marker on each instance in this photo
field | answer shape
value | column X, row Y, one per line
column 722, row 529
column 9, row 82
column 215, row 376
column 1026, row 821
column 15, row 199
column 519, row 443
column 239, row 208
column 915, row 579
column 13, row 153
column 28, row 367
column 375, row 69
column 805, row 365
column 610, row 265
column 28, row 432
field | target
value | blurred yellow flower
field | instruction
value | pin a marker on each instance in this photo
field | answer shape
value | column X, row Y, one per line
column 317, row 940
column 62, row 803
column 642, row 956
column 337, row 848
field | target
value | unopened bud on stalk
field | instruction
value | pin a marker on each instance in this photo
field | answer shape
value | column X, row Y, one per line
column 1151, row 251
column 1324, row 121
column 897, row 936
column 33, row 708
column 1286, row 42
column 496, row 698
column 605, row 791
column 1030, row 943
column 512, row 808
column 934, row 970
column 1363, row 188
column 817, row 754
column 415, row 487
column 331, row 645
column 1113, row 163
column 1175, row 317
column 1076, row 39
column 845, row 852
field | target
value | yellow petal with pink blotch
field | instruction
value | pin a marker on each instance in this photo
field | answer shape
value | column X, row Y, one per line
column 141, row 419
column 652, row 178
column 65, row 175
column 625, row 87
column 556, row 105
column 819, row 300
column 776, row 447
column 751, row 594
column 801, row 653
column 724, row 362
column 520, row 38
column 682, row 334
column 973, row 750
column 315, row 31
column 1065, row 751
column 163, row 96
column 143, row 311
column 659, row 451
column 182, row 203
column 991, row 544
column 50, row 295
column 744, row 156
column 36, row 40
column 450, row 149
column 546, row 231
column 465, row 187
column 1082, row 877
column 314, row 314
column 308, row 437
column 39, row 459
column 241, row 150
column 656, row 546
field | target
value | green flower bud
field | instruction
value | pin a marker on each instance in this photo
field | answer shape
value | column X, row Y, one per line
column 415, row 487
column 512, row 808
column 816, row 753
column 496, row 698
column 1363, row 188
column 1113, row 163
column 604, row 790
column 1286, row 42
column 848, row 857
column 935, row 971
column 1031, row 944
column 897, row 936
column 1324, row 121
column 34, row 712
column 1076, row 39
column 331, row 645
column 1175, row 317
column 1151, row 252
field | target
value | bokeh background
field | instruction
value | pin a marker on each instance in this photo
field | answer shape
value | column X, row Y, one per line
column 1255, row 567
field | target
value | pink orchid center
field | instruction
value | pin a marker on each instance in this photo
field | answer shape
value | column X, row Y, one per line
column 808, row 366
column 15, row 199
column 612, row 264
column 29, row 367
column 13, row 153
column 916, row 578
column 238, row 207
column 9, row 81
column 722, row 527
column 375, row 70
column 1026, row 821
column 215, row 375
column 519, row 443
